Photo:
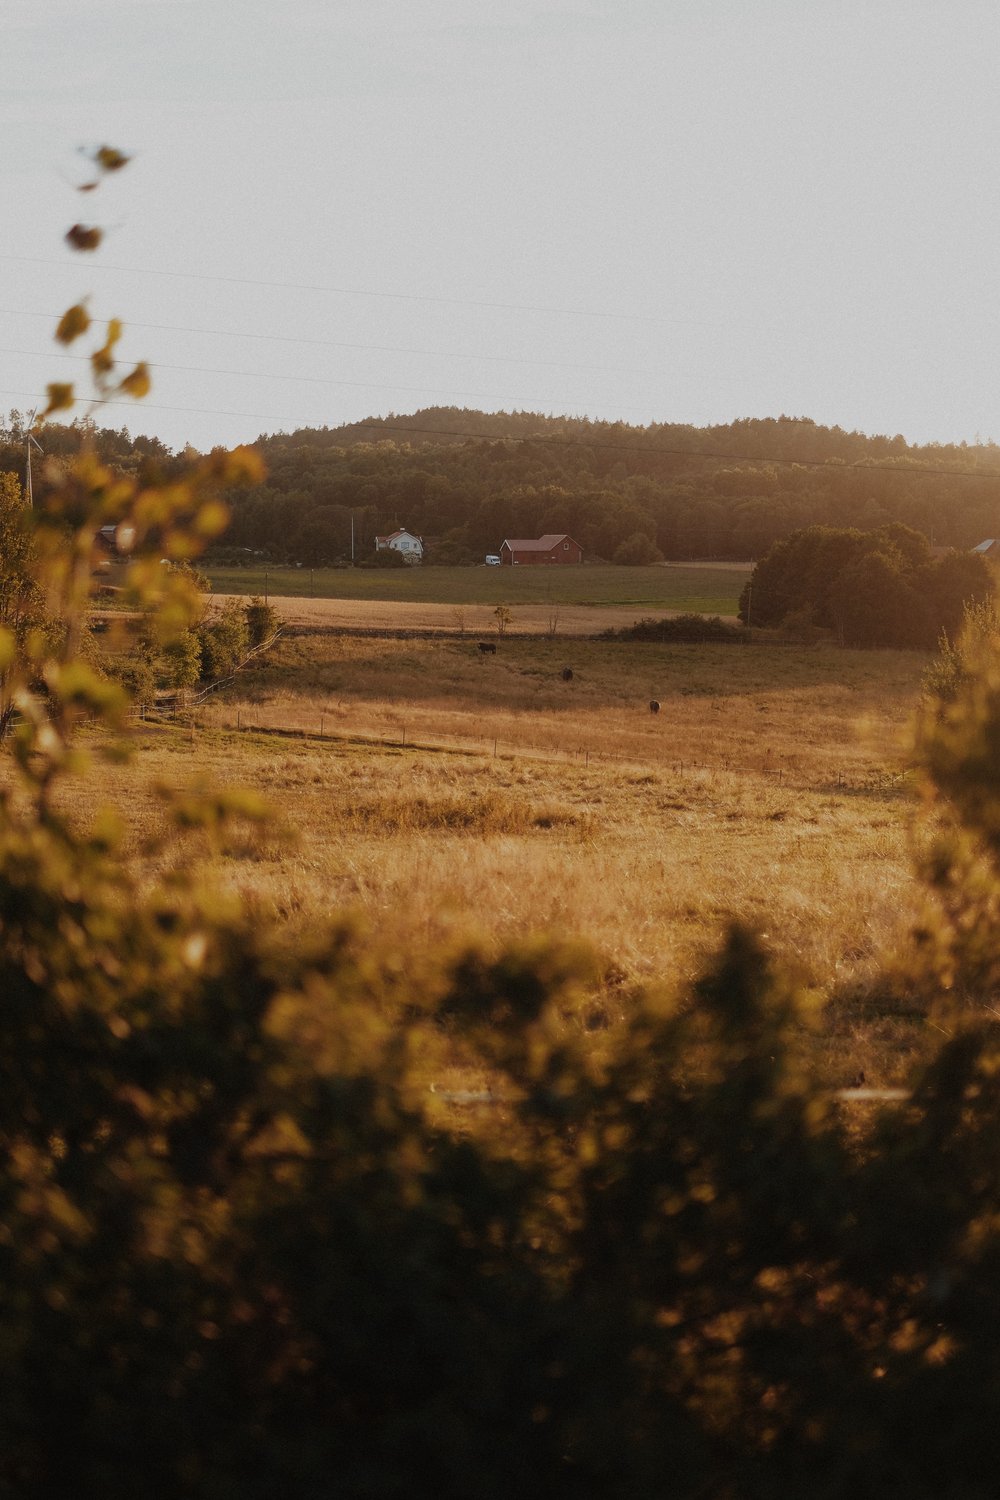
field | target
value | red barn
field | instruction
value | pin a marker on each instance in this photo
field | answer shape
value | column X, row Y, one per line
column 544, row 549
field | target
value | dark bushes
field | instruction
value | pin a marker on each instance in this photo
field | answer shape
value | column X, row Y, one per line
column 687, row 628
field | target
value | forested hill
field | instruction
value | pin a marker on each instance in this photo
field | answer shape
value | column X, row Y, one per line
column 466, row 479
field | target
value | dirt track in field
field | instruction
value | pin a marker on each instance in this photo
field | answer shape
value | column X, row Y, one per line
column 474, row 619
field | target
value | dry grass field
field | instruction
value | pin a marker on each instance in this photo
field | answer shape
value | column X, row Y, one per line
column 476, row 620
column 446, row 796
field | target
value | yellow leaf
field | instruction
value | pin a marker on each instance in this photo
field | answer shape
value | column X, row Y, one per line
column 60, row 398
column 212, row 518
column 137, row 383
column 83, row 237
column 74, row 321
column 241, row 466
column 109, row 159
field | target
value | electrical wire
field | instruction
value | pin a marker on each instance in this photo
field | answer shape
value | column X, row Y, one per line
column 284, row 338
column 351, row 291
column 366, row 385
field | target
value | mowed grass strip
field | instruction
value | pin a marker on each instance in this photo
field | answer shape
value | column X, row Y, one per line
column 671, row 587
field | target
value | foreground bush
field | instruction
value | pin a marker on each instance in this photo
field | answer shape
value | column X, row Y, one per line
column 243, row 1255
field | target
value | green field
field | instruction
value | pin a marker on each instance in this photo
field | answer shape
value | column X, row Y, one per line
column 701, row 589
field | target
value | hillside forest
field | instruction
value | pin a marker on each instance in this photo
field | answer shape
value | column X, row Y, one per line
column 465, row 480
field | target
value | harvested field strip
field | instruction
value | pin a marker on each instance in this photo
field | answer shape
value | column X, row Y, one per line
column 402, row 617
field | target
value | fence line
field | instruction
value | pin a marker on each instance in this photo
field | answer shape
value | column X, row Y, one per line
column 871, row 783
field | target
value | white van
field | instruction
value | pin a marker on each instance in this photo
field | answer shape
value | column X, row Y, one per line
column 492, row 561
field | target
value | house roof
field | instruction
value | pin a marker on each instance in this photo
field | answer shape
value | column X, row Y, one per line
column 400, row 531
column 537, row 544
column 988, row 545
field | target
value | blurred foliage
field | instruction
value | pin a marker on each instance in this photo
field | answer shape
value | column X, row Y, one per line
column 964, row 654
column 246, row 1250
column 23, row 615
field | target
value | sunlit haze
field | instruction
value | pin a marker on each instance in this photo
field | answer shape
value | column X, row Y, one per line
column 653, row 210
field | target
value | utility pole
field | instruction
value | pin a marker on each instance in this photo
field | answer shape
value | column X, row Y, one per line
column 29, row 443
column 352, row 539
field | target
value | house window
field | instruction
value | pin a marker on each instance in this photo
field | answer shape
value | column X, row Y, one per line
column 565, row 546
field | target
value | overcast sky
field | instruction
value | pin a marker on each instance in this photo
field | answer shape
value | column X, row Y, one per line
column 647, row 210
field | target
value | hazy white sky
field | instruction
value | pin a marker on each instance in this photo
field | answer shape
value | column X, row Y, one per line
column 652, row 210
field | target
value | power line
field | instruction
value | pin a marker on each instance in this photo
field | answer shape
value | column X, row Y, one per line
column 283, row 338
column 366, row 385
column 352, row 291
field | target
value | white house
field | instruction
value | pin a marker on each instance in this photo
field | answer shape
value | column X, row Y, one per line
column 410, row 547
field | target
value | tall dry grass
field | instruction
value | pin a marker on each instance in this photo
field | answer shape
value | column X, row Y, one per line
column 767, row 789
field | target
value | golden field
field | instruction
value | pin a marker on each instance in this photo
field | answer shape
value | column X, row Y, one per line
column 445, row 795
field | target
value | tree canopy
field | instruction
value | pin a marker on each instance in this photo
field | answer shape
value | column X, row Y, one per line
column 877, row 588
column 468, row 479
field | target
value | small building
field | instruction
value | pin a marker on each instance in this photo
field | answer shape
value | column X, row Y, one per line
column 989, row 549
column 409, row 546
column 552, row 548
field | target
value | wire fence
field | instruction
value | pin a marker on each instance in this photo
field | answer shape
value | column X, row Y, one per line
column 874, row 782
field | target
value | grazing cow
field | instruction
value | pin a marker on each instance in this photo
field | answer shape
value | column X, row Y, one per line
column 654, row 707
column 567, row 674
column 488, row 648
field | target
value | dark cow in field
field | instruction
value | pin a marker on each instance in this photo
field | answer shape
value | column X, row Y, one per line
column 654, row 707
column 567, row 674
column 488, row 648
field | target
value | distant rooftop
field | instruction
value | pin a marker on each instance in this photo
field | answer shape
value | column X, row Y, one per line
column 536, row 543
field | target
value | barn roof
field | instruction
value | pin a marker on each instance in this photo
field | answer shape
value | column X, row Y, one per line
column 537, row 543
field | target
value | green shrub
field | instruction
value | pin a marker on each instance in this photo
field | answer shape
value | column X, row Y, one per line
column 959, row 659
column 688, row 628
column 637, row 550
column 224, row 634
column 262, row 621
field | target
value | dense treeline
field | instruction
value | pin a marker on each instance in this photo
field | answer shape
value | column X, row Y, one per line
column 875, row 588
column 467, row 479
